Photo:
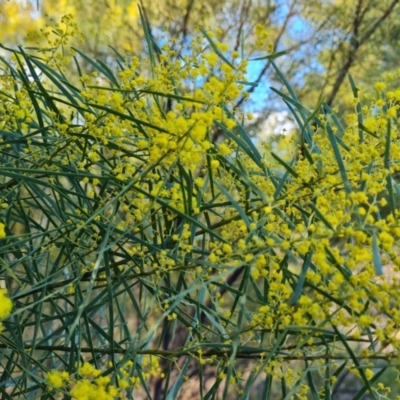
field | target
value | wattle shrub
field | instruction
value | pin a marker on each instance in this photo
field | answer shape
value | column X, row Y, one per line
column 148, row 247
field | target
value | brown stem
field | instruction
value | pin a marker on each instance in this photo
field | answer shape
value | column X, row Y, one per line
column 250, row 355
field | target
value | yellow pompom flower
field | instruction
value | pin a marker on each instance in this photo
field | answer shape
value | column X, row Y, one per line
column 2, row 230
column 55, row 379
column 379, row 86
column 226, row 248
column 5, row 304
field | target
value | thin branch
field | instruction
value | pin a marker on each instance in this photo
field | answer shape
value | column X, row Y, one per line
column 244, row 17
column 185, row 21
column 252, row 354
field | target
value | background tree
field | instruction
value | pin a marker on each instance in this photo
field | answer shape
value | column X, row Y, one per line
column 324, row 40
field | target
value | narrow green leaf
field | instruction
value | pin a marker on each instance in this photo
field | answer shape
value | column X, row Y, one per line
column 358, row 107
column 99, row 67
column 355, row 361
column 253, row 84
column 376, row 255
column 335, row 119
column 242, row 145
column 56, row 79
column 339, row 159
column 171, row 96
column 365, row 388
column 245, row 136
column 300, row 282
column 389, row 185
column 233, row 203
column 321, row 216
column 271, row 56
column 121, row 58
column 146, row 31
column 311, row 117
column 173, row 393
column 365, row 129
column 286, row 83
column 287, row 167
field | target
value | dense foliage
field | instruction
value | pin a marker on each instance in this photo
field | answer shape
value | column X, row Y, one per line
column 148, row 248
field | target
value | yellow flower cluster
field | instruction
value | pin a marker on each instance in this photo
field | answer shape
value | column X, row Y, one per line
column 2, row 231
column 89, row 383
column 5, row 306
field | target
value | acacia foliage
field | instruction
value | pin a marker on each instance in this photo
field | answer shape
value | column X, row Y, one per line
column 139, row 252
